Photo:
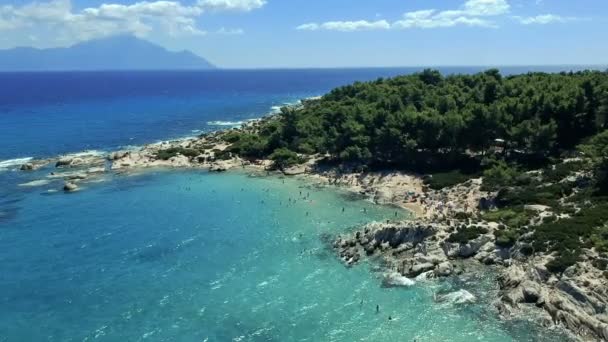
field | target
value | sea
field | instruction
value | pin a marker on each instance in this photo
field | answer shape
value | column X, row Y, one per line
column 186, row 255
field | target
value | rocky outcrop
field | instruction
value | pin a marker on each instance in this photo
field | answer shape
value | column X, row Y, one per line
column 575, row 300
column 410, row 247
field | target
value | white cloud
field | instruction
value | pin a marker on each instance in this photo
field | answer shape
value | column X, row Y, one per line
column 230, row 32
column 544, row 19
column 471, row 13
column 231, row 5
column 347, row 26
column 59, row 18
column 486, row 7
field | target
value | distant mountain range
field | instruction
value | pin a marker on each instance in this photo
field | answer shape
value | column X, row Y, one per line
column 114, row 53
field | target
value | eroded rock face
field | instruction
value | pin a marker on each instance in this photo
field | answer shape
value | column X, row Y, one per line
column 578, row 303
column 466, row 250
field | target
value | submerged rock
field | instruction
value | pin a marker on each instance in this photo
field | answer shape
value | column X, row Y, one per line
column 70, row 187
column 458, row 297
column 64, row 162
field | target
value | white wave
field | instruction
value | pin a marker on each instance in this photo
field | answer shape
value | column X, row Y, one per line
column 396, row 279
column 424, row 276
column 225, row 123
column 275, row 109
column 40, row 182
column 457, row 297
column 88, row 153
column 7, row 164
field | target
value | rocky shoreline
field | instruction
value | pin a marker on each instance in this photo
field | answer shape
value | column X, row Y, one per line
column 426, row 245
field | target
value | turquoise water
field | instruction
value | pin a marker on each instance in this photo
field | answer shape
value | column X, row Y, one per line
column 193, row 256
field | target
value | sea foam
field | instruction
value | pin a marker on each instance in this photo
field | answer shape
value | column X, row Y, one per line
column 226, row 123
column 396, row 279
column 11, row 163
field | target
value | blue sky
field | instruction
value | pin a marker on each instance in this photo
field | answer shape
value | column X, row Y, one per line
column 328, row 33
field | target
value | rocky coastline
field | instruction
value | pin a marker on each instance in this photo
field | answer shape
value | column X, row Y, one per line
column 426, row 245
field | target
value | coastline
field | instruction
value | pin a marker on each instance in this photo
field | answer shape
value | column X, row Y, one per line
column 408, row 249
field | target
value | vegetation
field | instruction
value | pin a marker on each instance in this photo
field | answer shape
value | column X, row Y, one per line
column 442, row 180
column 515, row 131
column 426, row 119
column 283, row 158
column 174, row 151
column 506, row 238
column 515, row 217
column 465, row 234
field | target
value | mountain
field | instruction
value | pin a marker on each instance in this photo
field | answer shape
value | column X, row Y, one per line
column 114, row 53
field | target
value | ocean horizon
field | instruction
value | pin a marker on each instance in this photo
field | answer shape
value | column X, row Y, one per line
column 190, row 255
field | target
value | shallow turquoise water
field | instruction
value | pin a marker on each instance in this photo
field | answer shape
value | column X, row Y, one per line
column 192, row 256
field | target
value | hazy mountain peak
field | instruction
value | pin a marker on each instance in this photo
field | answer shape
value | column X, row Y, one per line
column 122, row 52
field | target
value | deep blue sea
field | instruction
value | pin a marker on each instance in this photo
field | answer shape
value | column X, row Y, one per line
column 188, row 255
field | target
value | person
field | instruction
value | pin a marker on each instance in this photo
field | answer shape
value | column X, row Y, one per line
column 377, row 308
column 390, row 318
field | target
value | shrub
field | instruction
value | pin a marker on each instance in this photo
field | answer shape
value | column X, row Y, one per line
column 562, row 262
column 438, row 181
column 600, row 264
column 514, row 217
column 499, row 175
column 526, row 250
column 466, row 234
column 546, row 195
column 506, row 238
column 232, row 136
column 283, row 158
column 558, row 172
column 174, row 151
column 222, row 154
column 249, row 146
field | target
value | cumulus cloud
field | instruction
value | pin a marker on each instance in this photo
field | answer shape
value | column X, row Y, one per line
column 139, row 18
column 470, row 13
column 544, row 19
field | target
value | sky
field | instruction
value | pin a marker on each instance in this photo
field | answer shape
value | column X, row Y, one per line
column 328, row 33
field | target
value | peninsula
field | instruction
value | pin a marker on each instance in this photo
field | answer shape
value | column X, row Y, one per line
column 505, row 171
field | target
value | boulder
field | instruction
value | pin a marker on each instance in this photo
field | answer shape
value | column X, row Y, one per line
column 457, row 297
column 420, row 268
column 215, row 167
column 27, row 167
column 70, row 187
column 64, row 162
column 530, row 291
column 117, row 155
column 444, row 269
